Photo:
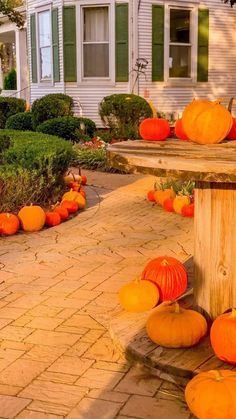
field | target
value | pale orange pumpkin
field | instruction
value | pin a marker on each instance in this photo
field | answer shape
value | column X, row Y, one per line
column 138, row 296
column 211, row 395
column 179, row 202
column 32, row 218
column 206, row 122
column 75, row 196
column 174, row 327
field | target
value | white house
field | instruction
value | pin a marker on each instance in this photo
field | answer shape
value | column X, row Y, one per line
column 88, row 49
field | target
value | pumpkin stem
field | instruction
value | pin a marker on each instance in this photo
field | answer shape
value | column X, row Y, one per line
column 177, row 308
column 164, row 262
column 233, row 313
column 230, row 105
column 137, row 279
column 218, row 375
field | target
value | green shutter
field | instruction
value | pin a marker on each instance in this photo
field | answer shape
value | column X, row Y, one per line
column 69, row 43
column 122, row 42
column 203, row 41
column 34, row 74
column 157, row 43
column 55, row 46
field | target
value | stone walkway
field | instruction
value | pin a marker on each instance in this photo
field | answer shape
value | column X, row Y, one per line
column 58, row 291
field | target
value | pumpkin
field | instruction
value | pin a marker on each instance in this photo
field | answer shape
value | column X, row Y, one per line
column 211, row 395
column 75, row 186
column 168, row 205
column 162, row 195
column 179, row 202
column 52, row 219
column 223, row 337
column 188, row 210
column 72, row 178
column 75, row 196
column 71, row 206
column 206, row 122
column 63, row 212
column 232, row 133
column 179, row 131
column 154, row 129
column 84, row 180
column 9, row 224
column 176, row 327
column 32, row 218
column 138, row 296
column 151, row 196
column 169, row 275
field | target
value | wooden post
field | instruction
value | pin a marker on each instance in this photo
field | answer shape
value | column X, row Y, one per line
column 215, row 247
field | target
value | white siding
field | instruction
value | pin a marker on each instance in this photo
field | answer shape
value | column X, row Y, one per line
column 222, row 62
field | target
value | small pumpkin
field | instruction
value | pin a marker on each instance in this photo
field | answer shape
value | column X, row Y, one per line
column 223, row 337
column 179, row 202
column 32, row 218
column 168, row 205
column 154, row 129
column 151, row 196
column 211, row 395
column 162, row 195
column 169, row 274
column 75, row 186
column 138, row 296
column 71, row 206
column 75, row 196
column 52, row 219
column 72, row 178
column 179, row 131
column 63, row 212
column 9, row 224
column 84, row 180
column 188, row 210
column 176, row 327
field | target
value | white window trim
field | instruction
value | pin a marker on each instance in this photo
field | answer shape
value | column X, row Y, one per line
column 47, row 7
column 101, row 81
column 193, row 41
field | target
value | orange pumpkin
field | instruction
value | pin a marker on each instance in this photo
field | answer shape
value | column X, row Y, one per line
column 206, row 122
column 169, row 275
column 211, row 395
column 179, row 202
column 151, row 196
column 71, row 206
column 32, row 218
column 75, row 196
column 179, row 131
column 9, row 224
column 52, row 219
column 223, row 337
column 154, row 129
column 162, row 195
column 84, row 179
column 138, row 296
column 168, row 205
column 63, row 212
column 174, row 327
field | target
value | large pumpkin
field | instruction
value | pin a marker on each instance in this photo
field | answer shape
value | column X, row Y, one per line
column 169, row 275
column 32, row 218
column 9, row 224
column 206, row 122
column 174, row 327
column 223, row 337
column 179, row 131
column 138, row 296
column 211, row 395
column 154, row 129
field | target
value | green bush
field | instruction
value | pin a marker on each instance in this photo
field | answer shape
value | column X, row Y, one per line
column 122, row 113
column 20, row 121
column 105, row 135
column 5, row 142
column 10, row 106
column 51, row 106
column 32, row 169
column 10, row 80
column 69, row 127
column 89, row 158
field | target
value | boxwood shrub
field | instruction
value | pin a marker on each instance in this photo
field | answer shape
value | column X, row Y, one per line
column 20, row 121
column 122, row 113
column 32, row 169
column 51, row 106
column 69, row 127
column 10, row 106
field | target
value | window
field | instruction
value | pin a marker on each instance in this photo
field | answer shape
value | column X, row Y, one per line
column 44, row 43
column 180, row 47
column 95, row 42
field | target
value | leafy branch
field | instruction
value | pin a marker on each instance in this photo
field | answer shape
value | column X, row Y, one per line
column 7, row 8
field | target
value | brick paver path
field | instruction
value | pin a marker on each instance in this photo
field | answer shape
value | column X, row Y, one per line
column 59, row 289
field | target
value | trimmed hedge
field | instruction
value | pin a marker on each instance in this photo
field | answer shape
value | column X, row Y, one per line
column 69, row 127
column 10, row 106
column 51, row 106
column 20, row 121
column 122, row 113
column 32, row 169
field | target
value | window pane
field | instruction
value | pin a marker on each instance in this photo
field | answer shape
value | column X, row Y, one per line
column 180, row 61
column 45, row 61
column 44, row 29
column 96, row 60
column 96, row 26
column 180, row 26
